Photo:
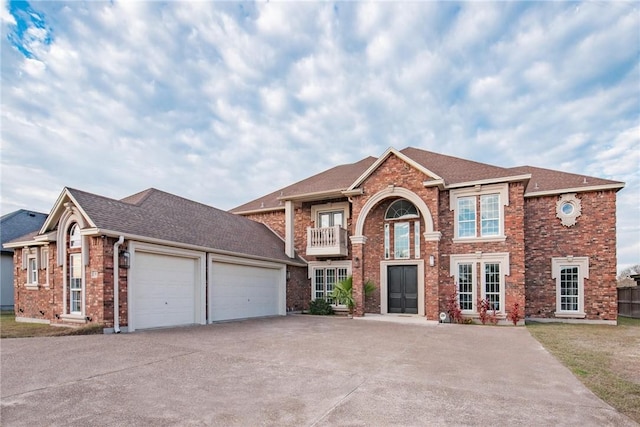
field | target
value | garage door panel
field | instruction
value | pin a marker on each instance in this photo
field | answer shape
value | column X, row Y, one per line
column 239, row 292
column 164, row 290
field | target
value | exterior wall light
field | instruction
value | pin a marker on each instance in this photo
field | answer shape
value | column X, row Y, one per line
column 124, row 259
column 432, row 260
column 356, row 262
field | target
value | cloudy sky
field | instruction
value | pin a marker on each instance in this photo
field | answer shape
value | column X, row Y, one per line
column 222, row 102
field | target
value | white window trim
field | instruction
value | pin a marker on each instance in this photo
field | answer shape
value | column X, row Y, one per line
column 479, row 259
column 44, row 263
column 314, row 265
column 31, row 256
column 583, row 273
column 479, row 190
column 316, row 210
column 474, row 284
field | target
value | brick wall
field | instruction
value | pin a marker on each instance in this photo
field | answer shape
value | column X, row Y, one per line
column 514, row 244
column 298, row 289
column 593, row 236
column 47, row 301
column 394, row 171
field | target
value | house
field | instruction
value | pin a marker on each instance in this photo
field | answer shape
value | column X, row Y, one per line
column 422, row 226
column 12, row 225
column 150, row 260
column 425, row 226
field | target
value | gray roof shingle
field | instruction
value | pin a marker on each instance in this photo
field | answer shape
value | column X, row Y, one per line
column 160, row 215
column 453, row 170
column 20, row 223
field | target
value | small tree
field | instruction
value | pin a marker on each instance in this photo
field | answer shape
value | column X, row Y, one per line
column 514, row 314
column 343, row 292
column 452, row 305
column 484, row 310
column 624, row 278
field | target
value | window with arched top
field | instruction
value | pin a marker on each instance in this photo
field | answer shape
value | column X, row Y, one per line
column 75, row 240
column 402, row 209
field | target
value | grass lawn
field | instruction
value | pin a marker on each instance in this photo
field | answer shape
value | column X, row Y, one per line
column 604, row 358
column 9, row 328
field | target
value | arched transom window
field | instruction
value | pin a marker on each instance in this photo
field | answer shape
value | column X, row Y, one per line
column 75, row 241
column 401, row 212
column 401, row 209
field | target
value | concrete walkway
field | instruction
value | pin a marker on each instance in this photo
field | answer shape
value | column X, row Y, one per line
column 295, row 371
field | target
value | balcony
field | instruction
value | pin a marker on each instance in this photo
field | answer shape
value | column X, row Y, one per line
column 327, row 241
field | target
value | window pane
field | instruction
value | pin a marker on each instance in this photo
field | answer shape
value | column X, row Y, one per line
column 467, row 217
column 330, row 280
column 337, row 218
column 33, row 271
column 490, row 214
column 319, row 289
column 416, row 232
column 387, row 250
column 401, row 209
column 465, row 286
column 569, row 289
column 75, row 283
column 492, row 285
column 401, row 240
column 74, row 236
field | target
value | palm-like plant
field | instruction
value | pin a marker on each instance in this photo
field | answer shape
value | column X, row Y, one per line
column 343, row 292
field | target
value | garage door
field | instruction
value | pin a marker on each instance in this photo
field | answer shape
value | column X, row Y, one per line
column 240, row 291
column 164, row 288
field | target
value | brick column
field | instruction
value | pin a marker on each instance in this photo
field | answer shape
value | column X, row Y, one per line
column 357, row 257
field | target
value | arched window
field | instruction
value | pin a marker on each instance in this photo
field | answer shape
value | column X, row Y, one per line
column 75, row 240
column 401, row 209
column 75, row 286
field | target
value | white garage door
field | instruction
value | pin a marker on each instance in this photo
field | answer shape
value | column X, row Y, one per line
column 240, row 291
column 164, row 288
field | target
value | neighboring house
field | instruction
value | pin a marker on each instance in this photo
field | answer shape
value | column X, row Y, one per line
column 12, row 225
column 420, row 224
column 150, row 260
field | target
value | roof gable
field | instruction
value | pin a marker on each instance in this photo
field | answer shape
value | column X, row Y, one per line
column 392, row 152
column 159, row 216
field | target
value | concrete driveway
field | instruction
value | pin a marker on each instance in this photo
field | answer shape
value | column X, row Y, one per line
column 296, row 371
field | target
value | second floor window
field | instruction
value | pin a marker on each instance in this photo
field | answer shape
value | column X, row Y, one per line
column 330, row 219
column 479, row 212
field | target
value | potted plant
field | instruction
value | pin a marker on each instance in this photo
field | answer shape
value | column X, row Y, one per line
column 343, row 292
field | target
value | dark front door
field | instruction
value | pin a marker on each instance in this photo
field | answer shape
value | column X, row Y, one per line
column 402, row 284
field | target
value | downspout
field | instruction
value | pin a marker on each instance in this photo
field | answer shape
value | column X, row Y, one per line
column 116, row 282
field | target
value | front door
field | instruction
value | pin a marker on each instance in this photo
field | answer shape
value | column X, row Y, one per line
column 403, row 289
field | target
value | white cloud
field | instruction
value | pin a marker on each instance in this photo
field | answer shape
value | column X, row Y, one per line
column 222, row 102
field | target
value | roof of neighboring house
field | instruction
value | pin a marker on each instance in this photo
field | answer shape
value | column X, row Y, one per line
column 19, row 223
column 452, row 171
column 159, row 216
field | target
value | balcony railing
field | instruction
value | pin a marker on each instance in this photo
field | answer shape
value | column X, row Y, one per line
column 327, row 241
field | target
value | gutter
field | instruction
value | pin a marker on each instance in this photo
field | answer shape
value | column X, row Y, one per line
column 116, row 288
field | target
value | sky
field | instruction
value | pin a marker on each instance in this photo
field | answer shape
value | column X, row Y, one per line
column 222, row 102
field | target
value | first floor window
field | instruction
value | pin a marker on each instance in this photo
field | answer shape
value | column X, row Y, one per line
column 492, row 285
column 75, row 284
column 325, row 279
column 33, row 270
column 569, row 288
column 569, row 273
column 401, row 240
column 480, row 276
column 465, row 286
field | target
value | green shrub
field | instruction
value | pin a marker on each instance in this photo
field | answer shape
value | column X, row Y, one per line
column 320, row 307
